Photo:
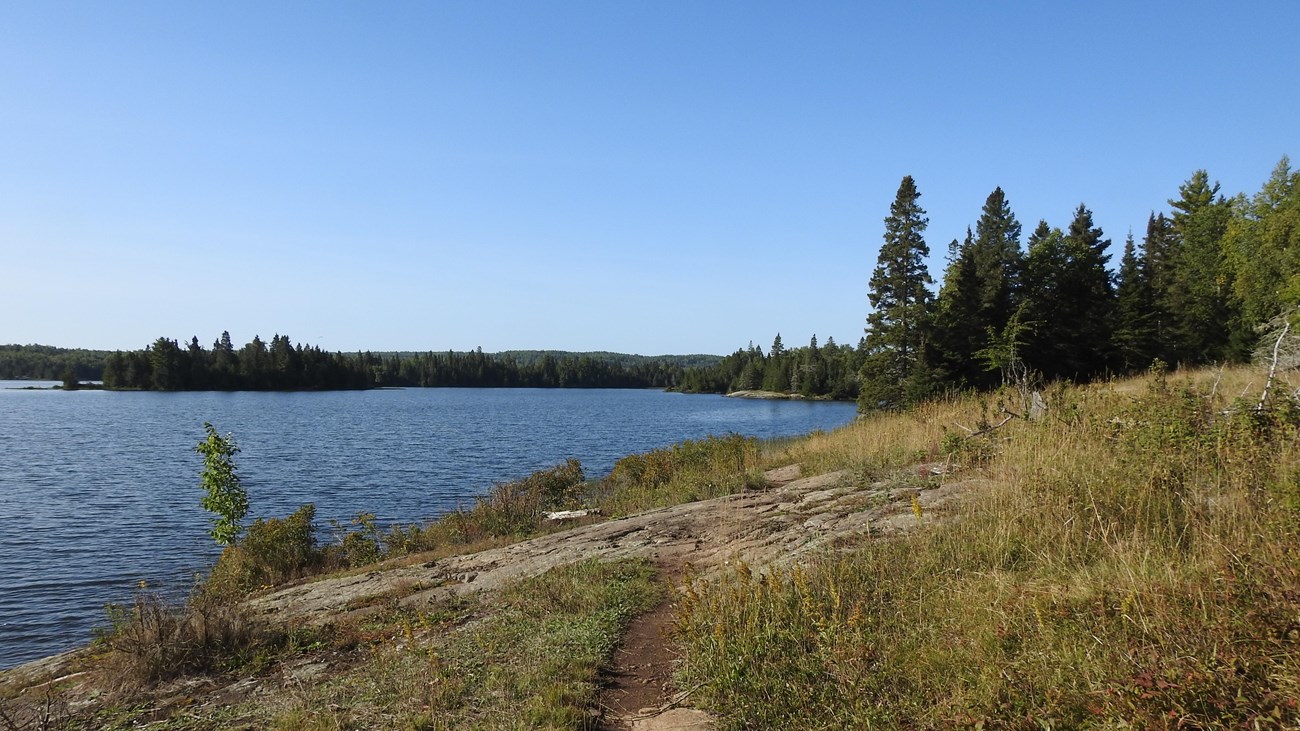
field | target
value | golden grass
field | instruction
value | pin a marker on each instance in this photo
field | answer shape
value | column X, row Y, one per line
column 1131, row 562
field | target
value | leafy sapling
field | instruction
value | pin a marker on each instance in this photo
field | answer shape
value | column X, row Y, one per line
column 226, row 498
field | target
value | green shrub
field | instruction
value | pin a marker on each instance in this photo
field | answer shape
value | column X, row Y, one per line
column 358, row 543
column 275, row 550
column 689, row 470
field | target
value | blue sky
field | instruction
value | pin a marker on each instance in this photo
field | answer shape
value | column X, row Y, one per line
column 664, row 177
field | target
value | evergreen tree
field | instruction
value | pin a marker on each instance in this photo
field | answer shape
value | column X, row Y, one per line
column 812, row 370
column 1158, row 253
column 1069, row 299
column 776, row 376
column 958, row 333
column 1089, row 297
column 1198, row 297
column 997, row 260
column 1135, row 342
column 896, row 373
column 1046, row 266
column 166, row 365
column 980, row 293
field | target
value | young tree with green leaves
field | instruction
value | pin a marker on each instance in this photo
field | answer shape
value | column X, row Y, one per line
column 226, row 498
column 1262, row 245
column 896, row 372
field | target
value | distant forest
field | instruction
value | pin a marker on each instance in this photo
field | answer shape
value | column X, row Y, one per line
column 1208, row 283
column 279, row 364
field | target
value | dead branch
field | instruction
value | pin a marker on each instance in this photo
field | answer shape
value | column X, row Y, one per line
column 972, row 433
column 1218, row 378
column 1272, row 367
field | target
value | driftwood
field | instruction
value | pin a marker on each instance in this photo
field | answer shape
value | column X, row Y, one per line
column 572, row 514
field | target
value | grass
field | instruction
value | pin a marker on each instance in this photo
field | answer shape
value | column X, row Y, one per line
column 1131, row 562
column 527, row 657
column 531, row 662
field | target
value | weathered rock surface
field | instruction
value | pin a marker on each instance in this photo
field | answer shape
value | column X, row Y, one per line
column 763, row 528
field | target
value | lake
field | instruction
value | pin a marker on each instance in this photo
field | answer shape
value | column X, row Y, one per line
column 99, row 490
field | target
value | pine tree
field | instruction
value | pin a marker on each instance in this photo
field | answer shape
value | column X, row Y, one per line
column 957, row 335
column 980, row 293
column 1046, row 265
column 896, row 373
column 1089, row 297
column 812, row 370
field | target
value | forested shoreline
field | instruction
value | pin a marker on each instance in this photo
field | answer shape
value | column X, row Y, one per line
column 166, row 365
column 1208, row 282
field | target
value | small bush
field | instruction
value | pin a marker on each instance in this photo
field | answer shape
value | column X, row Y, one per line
column 275, row 550
column 358, row 544
column 153, row 640
column 687, row 471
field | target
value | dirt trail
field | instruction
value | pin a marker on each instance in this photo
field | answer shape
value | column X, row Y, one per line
column 639, row 683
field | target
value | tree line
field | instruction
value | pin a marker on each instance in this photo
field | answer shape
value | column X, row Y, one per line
column 166, row 365
column 826, row 371
column 1198, row 288
column 48, row 363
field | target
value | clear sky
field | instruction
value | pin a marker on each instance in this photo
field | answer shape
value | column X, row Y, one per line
column 648, row 177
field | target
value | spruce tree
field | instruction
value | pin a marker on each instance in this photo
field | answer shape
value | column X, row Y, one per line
column 1089, row 297
column 1134, row 337
column 958, row 334
column 997, row 260
column 1200, row 283
column 896, row 373
column 1046, row 265
column 1158, row 251
column 1069, row 299
column 980, row 293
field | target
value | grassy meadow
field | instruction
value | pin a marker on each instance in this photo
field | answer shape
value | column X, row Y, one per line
column 1128, row 561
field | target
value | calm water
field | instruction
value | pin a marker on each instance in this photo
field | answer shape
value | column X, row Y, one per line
column 99, row 490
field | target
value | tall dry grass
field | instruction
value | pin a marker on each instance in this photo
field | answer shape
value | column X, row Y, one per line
column 1131, row 561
